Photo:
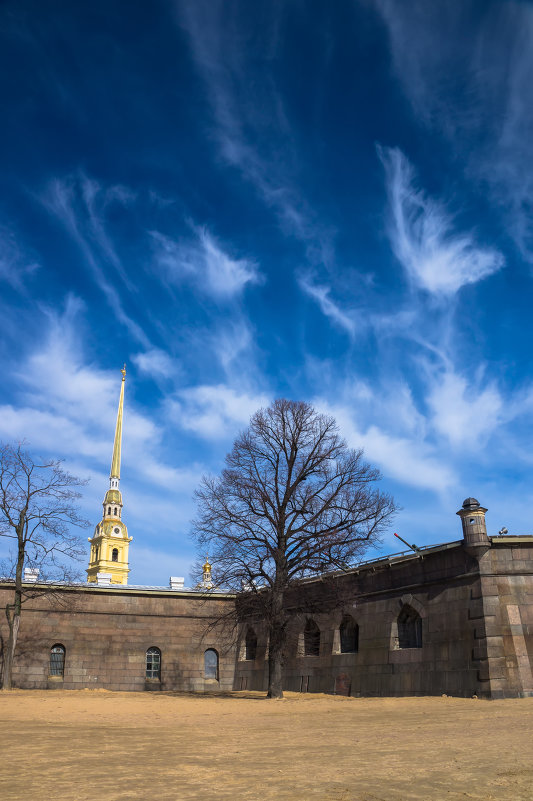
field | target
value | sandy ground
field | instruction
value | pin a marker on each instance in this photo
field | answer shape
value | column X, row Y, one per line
column 91, row 744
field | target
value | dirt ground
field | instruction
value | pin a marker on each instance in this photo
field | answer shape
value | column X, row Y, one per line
column 91, row 744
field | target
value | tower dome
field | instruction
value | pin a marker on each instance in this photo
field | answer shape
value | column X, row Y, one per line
column 471, row 503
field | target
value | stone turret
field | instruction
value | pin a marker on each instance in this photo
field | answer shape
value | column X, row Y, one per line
column 472, row 516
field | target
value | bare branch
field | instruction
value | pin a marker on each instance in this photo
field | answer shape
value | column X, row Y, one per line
column 293, row 501
column 38, row 511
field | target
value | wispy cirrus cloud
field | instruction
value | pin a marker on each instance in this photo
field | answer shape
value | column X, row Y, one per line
column 467, row 76
column 205, row 263
column 73, row 403
column 79, row 204
column 322, row 296
column 434, row 255
column 67, row 407
column 233, row 343
column 15, row 266
column 251, row 124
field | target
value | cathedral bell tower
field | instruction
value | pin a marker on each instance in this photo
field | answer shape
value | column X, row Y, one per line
column 110, row 542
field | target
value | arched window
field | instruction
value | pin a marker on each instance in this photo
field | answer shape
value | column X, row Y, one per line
column 153, row 664
column 250, row 645
column 311, row 639
column 115, row 511
column 211, row 664
column 409, row 628
column 114, row 555
column 96, row 552
column 108, row 510
column 349, row 635
column 57, row 660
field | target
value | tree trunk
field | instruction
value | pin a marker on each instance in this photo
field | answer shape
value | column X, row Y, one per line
column 13, row 610
column 14, row 623
column 275, row 648
column 275, row 663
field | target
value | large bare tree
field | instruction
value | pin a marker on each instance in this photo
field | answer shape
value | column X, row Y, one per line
column 293, row 501
column 37, row 511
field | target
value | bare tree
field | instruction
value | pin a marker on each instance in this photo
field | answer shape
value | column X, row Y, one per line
column 37, row 509
column 293, row 501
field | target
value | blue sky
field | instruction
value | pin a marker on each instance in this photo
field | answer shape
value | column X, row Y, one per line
column 327, row 202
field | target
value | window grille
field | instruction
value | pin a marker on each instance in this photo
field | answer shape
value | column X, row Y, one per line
column 409, row 628
column 153, row 663
column 211, row 664
column 311, row 639
column 349, row 635
column 57, row 660
column 250, row 645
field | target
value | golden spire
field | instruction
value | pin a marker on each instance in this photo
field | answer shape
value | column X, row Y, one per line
column 110, row 543
column 115, row 463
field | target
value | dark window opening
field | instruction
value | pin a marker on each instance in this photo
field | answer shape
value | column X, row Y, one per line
column 96, row 552
column 115, row 512
column 349, row 635
column 153, row 663
column 57, row 660
column 108, row 510
column 311, row 639
column 250, row 645
column 211, row 664
column 409, row 628
column 114, row 555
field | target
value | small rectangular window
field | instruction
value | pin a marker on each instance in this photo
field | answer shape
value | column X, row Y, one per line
column 57, row 661
column 153, row 663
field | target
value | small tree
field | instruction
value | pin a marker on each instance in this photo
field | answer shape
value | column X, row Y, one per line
column 293, row 501
column 36, row 511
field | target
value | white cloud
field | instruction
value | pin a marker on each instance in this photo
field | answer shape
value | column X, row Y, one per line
column 204, row 261
column 226, row 276
column 321, row 294
column 422, row 235
column 407, row 459
column 215, row 412
column 156, row 363
column 469, row 79
column 465, row 414
column 68, row 408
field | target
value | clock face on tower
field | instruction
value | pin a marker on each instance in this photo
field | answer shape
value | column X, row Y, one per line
column 116, row 530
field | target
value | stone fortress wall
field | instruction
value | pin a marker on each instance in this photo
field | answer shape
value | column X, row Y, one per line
column 106, row 633
column 476, row 628
column 453, row 619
